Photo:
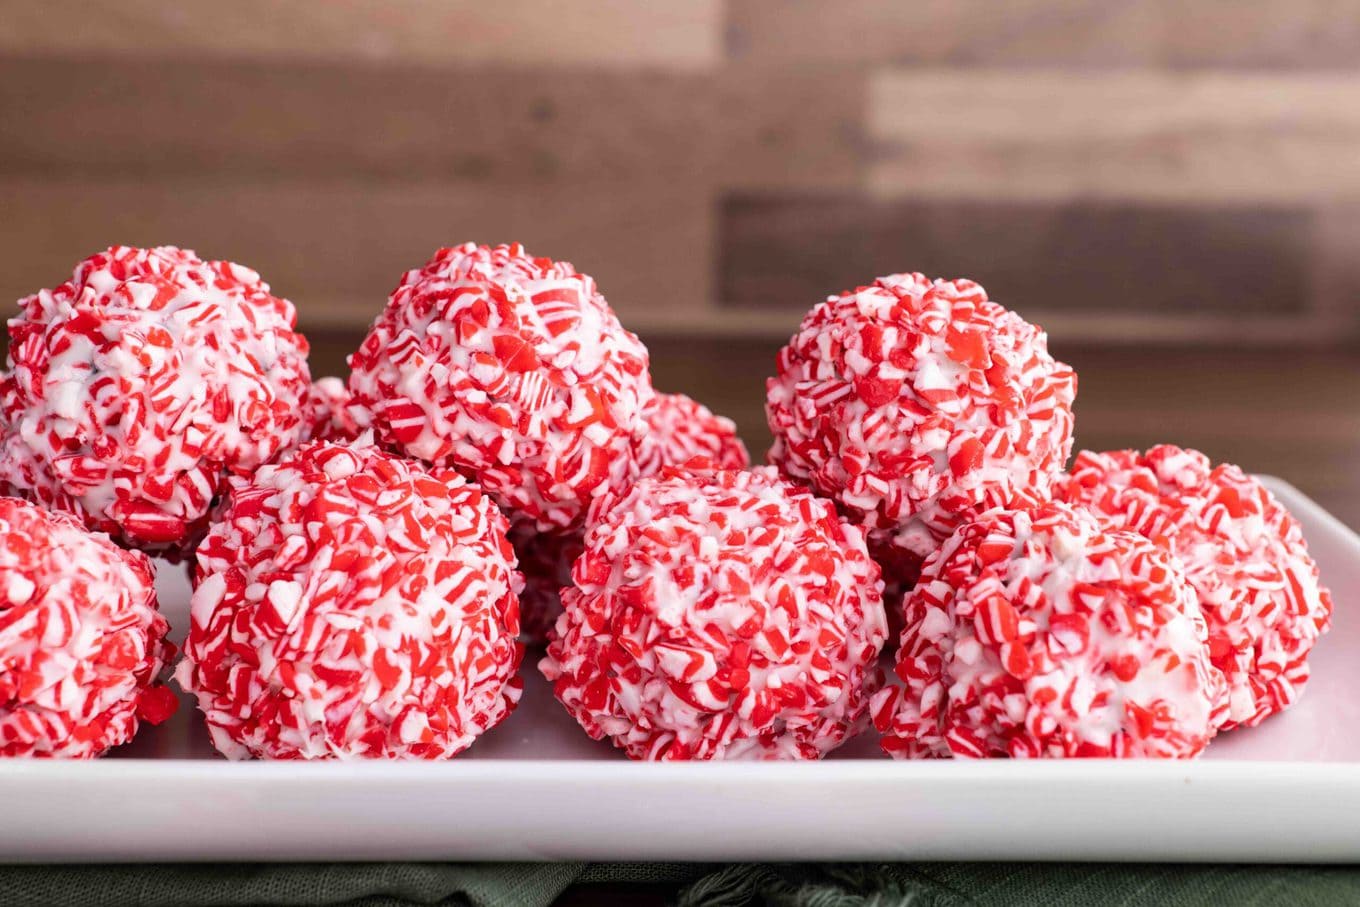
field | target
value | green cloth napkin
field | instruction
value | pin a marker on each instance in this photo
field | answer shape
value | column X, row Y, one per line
column 795, row 885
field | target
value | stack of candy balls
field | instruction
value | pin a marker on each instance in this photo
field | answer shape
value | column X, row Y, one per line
column 370, row 557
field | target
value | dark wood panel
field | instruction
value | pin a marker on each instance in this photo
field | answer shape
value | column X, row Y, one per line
column 789, row 127
column 1337, row 260
column 1295, row 34
column 153, row 117
column 1039, row 257
column 164, row 117
column 338, row 247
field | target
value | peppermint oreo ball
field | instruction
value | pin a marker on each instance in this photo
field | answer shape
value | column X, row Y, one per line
column 351, row 604
column 1243, row 553
column 916, row 404
column 1040, row 633
column 82, row 642
column 513, row 370
column 678, row 430
column 719, row 615
column 329, row 413
column 134, row 388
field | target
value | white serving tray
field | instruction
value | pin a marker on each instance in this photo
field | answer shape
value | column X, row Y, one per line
column 536, row 788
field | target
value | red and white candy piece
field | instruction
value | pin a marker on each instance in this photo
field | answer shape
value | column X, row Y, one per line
column 915, row 404
column 722, row 615
column 82, row 643
column 134, row 387
column 678, row 430
column 353, row 604
column 515, row 371
column 1042, row 634
column 1242, row 551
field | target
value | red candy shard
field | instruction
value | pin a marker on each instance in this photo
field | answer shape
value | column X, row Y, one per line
column 1242, row 551
column 351, row 604
column 719, row 614
column 916, row 404
column 513, row 370
column 135, row 387
column 82, row 642
column 1080, row 641
column 156, row 705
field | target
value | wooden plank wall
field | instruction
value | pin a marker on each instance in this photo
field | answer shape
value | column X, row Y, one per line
column 1117, row 169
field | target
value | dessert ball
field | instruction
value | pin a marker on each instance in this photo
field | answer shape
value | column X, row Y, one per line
column 1242, row 552
column 916, row 403
column 82, row 643
column 329, row 413
column 678, row 430
column 353, row 604
column 719, row 615
column 1041, row 633
column 513, row 370
column 134, row 387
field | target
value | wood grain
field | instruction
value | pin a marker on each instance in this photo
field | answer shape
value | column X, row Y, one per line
column 789, row 127
column 1042, row 257
column 337, row 248
column 1336, row 263
column 1165, row 136
column 526, row 32
column 527, row 126
column 1132, row 170
column 1082, row 34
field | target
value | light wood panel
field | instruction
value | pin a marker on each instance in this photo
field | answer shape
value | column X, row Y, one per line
column 1095, row 34
column 1160, row 136
column 526, row 32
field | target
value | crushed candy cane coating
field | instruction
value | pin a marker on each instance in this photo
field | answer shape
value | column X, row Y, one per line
column 1041, row 633
column 1243, row 552
column 678, row 430
column 135, row 386
column 330, row 414
column 719, row 615
column 916, row 403
column 82, row 641
column 513, row 370
column 353, row 604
